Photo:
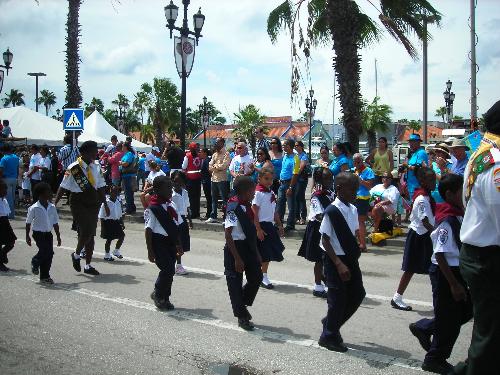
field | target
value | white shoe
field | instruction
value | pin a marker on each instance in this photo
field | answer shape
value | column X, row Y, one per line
column 180, row 271
column 211, row 220
column 117, row 254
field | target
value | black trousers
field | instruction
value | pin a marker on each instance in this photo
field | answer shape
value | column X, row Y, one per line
column 343, row 297
column 43, row 258
column 239, row 294
column 480, row 268
column 194, row 193
column 33, row 184
column 165, row 255
column 207, row 191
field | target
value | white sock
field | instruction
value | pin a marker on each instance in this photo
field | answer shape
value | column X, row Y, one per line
column 107, row 255
column 87, row 266
column 77, row 256
column 397, row 297
column 319, row 288
column 265, row 279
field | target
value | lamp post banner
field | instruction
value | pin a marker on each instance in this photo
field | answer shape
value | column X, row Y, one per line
column 184, row 51
column 1, row 79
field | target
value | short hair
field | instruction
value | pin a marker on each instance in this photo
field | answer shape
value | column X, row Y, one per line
column 422, row 172
column 450, row 182
column 113, row 137
column 346, row 178
column 323, row 148
column 289, row 142
column 264, row 171
column 6, row 147
column 341, row 147
column 6, row 123
column 68, row 138
column 347, row 147
column 128, row 145
column 179, row 173
column 34, row 147
column 41, row 188
column 242, row 184
column 382, row 139
column 357, row 155
column 300, row 143
column 492, row 119
column 45, row 149
column 88, row 146
column 161, row 181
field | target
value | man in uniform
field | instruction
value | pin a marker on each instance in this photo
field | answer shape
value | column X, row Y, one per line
column 86, row 184
column 480, row 254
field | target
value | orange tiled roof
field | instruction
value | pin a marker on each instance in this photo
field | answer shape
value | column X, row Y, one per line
column 432, row 132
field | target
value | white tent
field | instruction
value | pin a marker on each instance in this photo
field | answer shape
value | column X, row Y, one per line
column 40, row 129
column 96, row 126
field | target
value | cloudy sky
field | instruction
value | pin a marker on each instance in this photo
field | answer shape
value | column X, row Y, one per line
column 125, row 43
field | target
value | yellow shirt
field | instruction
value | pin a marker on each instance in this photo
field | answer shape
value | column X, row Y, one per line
column 381, row 163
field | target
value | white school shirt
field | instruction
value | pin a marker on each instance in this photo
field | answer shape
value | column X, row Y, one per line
column 239, row 162
column 42, row 219
column 267, row 206
column 4, row 207
column 26, row 184
column 70, row 184
column 153, row 174
column 115, row 209
column 444, row 242
column 391, row 194
column 316, row 208
column 35, row 162
column 232, row 221
column 181, row 201
column 150, row 220
column 350, row 214
column 421, row 208
column 481, row 225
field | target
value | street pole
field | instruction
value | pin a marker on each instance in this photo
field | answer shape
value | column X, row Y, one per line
column 36, row 75
column 473, row 65
column 425, row 89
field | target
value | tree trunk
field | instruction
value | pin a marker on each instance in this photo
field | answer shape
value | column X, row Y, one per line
column 158, row 127
column 73, row 92
column 344, row 27
column 46, row 110
column 372, row 140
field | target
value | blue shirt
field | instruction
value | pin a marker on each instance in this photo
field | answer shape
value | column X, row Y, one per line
column 277, row 167
column 458, row 166
column 337, row 163
column 366, row 175
column 10, row 165
column 141, row 164
column 164, row 166
column 350, row 163
column 289, row 167
column 417, row 158
column 129, row 157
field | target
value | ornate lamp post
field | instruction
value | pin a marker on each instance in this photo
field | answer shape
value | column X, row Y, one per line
column 36, row 75
column 184, row 50
column 205, row 120
column 7, row 59
column 311, row 104
column 449, row 98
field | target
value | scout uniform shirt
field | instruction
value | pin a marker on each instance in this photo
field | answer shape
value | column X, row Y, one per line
column 150, row 220
column 115, row 209
column 316, row 207
column 266, row 201
column 232, row 221
column 73, row 182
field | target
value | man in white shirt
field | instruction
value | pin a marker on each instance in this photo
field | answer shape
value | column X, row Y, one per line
column 85, row 181
column 34, row 172
column 151, row 156
column 242, row 163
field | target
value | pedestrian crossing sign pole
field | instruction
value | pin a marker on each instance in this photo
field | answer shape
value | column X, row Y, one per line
column 73, row 121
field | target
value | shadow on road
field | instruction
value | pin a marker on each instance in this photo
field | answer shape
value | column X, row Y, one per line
column 280, row 331
column 200, row 275
column 380, row 349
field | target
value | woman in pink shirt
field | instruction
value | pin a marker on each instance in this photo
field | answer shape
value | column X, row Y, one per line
column 114, row 162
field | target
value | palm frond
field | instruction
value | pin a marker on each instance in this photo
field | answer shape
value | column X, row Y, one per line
column 399, row 35
column 369, row 31
column 279, row 18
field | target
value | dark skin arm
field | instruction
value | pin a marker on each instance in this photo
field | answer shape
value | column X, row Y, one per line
column 457, row 290
column 149, row 244
column 189, row 218
column 238, row 262
column 60, row 192
column 289, row 191
column 427, row 225
column 28, row 238
column 58, row 234
column 101, row 192
column 342, row 269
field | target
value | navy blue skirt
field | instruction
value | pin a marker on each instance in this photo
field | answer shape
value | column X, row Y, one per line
column 184, row 236
column 418, row 253
column 111, row 229
column 310, row 248
column 271, row 249
column 7, row 235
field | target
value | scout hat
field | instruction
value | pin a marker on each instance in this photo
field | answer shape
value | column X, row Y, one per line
column 442, row 147
column 415, row 137
column 458, row 143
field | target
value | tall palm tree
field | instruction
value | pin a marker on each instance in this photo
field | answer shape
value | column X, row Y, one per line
column 344, row 24
column 148, row 134
column 14, row 97
column 376, row 118
column 48, row 99
column 73, row 91
column 247, row 120
column 441, row 112
column 140, row 104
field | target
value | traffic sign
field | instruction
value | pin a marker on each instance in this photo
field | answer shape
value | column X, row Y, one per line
column 73, row 119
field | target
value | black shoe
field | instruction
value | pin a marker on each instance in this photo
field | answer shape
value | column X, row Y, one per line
column 47, row 281
column 3, row 268
column 336, row 346
column 163, row 304
column 322, row 294
column 247, row 314
column 110, row 259
column 35, row 268
column 76, row 263
column 423, row 339
column 246, row 324
column 398, row 307
column 438, row 367
column 4, row 259
column 91, row 271
column 267, row 286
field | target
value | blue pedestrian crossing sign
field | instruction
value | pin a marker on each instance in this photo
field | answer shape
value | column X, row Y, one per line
column 73, row 119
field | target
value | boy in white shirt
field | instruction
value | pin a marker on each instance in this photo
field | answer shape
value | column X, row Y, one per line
column 112, row 225
column 42, row 217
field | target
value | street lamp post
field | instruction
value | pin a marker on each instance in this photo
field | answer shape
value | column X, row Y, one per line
column 36, row 75
column 449, row 98
column 311, row 104
column 205, row 121
column 185, row 49
column 7, row 59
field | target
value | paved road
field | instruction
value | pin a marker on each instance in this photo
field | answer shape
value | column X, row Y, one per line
column 108, row 324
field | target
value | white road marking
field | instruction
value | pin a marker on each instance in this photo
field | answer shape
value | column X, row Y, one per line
column 262, row 333
column 221, row 274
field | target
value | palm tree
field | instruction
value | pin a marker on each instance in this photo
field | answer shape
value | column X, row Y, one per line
column 247, row 120
column 344, row 24
column 48, row 99
column 73, row 91
column 14, row 97
column 94, row 105
column 148, row 134
column 140, row 104
column 441, row 112
column 376, row 118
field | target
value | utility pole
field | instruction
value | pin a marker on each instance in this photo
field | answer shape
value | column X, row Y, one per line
column 473, row 65
column 36, row 75
column 425, row 88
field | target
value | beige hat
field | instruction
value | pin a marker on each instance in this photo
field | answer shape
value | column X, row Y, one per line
column 459, row 143
column 395, row 173
column 442, row 147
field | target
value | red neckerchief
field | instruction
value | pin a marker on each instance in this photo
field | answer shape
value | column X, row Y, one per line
column 425, row 193
column 363, row 167
column 156, row 200
column 246, row 204
column 321, row 192
column 446, row 210
column 263, row 189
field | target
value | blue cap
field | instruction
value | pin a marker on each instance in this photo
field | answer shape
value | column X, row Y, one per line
column 415, row 137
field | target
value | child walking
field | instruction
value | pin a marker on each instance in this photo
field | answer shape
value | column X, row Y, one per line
column 310, row 248
column 240, row 252
column 418, row 246
column 180, row 198
column 340, row 261
column 452, row 302
column 162, row 239
column 112, row 226
column 42, row 217
column 7, row 236
column 265, row 216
